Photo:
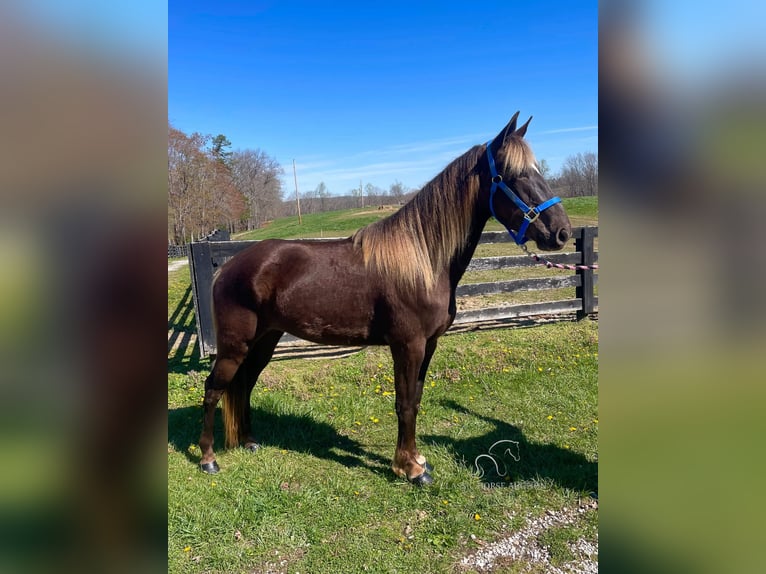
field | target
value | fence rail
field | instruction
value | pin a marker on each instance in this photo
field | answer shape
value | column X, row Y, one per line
column 206, row 256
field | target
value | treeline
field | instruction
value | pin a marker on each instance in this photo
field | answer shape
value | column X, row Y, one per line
column 320, row 199
column 577, row 177
column 211, row 187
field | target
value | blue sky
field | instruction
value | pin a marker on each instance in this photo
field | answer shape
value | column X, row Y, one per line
column 383, row 92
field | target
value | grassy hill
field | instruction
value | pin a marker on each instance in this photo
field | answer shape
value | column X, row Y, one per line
column 327, row 224
column 581, row 210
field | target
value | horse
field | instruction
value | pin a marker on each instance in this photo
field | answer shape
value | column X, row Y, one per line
column 391, row 283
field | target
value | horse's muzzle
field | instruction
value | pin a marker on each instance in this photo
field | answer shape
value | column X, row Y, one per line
column 562, row 236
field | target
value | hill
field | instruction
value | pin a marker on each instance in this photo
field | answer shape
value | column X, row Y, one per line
column 342, row 223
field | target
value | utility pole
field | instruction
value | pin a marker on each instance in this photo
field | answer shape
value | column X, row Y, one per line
column 297, row 197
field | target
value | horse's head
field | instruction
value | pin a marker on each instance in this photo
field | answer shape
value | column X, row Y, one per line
column 519, row 196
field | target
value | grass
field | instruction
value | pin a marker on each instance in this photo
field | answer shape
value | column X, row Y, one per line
column 320, row 495
column 581, row 210
column 340, row 223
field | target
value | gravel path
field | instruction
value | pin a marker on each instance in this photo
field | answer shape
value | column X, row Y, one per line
column 174, row 265
column 523, row 546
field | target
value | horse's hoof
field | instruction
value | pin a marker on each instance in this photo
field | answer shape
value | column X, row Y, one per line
column 424, row 479
column 209, row 467
column 252, row 446
column 428, row 468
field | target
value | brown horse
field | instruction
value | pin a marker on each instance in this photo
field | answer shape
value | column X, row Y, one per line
column 391, row 283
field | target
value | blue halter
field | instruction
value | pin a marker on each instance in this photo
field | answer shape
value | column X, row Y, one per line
column 530, row 213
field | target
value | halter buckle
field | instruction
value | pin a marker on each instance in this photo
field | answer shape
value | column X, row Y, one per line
column 531, row 215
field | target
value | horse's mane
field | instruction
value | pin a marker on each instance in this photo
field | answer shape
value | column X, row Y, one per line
column 411, row 246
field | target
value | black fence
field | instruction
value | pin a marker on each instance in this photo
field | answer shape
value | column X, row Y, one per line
column 178, row 251
column 183, row 250
column 206, row 256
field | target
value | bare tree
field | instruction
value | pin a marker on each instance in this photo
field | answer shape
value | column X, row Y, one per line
column 322, row 193
column 374, row 194
column 256, row 176
column 397, row 191
column 358, row 192
column 191, row 174
column 544, row 168
column 579, row 175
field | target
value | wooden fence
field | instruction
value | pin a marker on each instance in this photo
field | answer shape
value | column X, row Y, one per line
column 206, row 256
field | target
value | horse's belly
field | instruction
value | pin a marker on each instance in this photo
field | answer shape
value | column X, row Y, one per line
column 318, row 331
column 331, row 318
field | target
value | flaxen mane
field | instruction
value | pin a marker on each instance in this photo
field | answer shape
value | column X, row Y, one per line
column 409, row 246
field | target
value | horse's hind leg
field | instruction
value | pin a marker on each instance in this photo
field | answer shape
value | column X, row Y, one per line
column 256, row 361
column 224, row 370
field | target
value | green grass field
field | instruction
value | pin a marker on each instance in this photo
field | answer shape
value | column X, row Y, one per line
column 327, row 224
column 581, row 210
column 320, row 495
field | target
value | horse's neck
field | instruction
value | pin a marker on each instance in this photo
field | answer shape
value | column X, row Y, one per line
column 462, row 258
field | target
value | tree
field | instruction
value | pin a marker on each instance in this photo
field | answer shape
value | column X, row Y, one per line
column 322, row 193
column 397, row 191
column 189, row 176
column 216, row 147
column 373, row 194
column 358, row 192
column 544, row 168
column 211, row 187
column 256, row 176
column 579, row 175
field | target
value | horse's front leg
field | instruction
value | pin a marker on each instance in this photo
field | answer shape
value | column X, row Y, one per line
column 408, row 360
column 429, row 352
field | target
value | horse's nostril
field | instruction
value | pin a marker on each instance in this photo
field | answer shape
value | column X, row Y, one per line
column 563, row 235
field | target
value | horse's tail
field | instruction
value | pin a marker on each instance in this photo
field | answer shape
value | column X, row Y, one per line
column 235, row 395
column 234, row 405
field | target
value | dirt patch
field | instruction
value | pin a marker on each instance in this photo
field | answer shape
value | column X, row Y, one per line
column 385, row 209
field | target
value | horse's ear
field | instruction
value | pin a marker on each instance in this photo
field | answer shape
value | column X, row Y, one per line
column 498, row 142
column 523, row 129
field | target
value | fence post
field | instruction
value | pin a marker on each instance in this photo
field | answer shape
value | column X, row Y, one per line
column 584, row 245
column 201, row 269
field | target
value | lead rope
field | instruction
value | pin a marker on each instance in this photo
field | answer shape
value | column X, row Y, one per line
column 551, row 264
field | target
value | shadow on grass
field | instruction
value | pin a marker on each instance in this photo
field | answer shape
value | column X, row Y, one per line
column 546, row 462
column 183, row 356
column 299, row 433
